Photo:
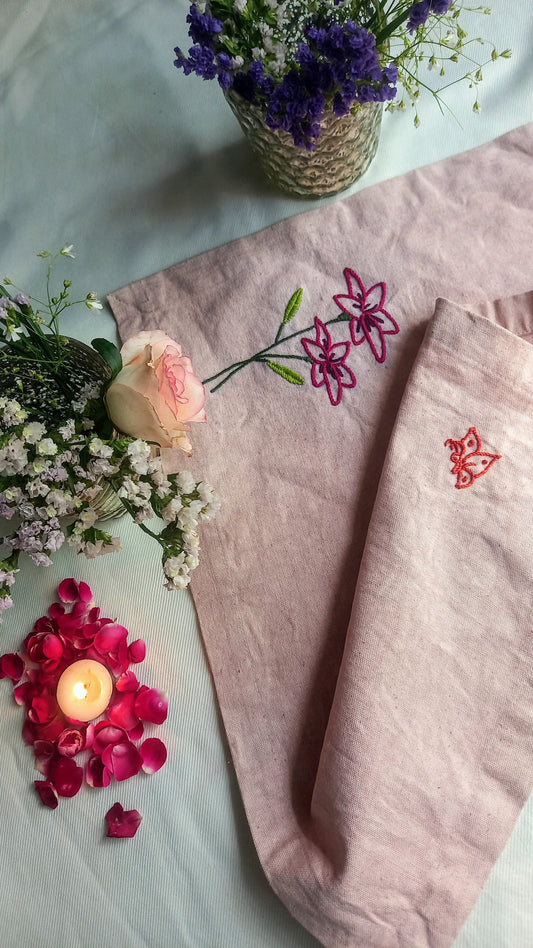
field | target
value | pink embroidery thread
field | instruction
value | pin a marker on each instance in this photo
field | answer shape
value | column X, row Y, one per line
column 469, row 461
column 329, row 363
column 370, row 321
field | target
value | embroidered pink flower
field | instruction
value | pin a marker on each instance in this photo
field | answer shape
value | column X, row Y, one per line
column 329, row 363
column 74, row 629
column 370, row 321
column 156, row 395
column 121, row 823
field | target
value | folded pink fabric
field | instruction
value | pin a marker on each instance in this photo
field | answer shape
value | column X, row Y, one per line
column 365, row 593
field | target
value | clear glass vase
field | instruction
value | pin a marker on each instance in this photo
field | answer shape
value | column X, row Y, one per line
column 343, row 151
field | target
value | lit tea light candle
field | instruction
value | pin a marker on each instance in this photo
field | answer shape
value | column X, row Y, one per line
column 84, row 690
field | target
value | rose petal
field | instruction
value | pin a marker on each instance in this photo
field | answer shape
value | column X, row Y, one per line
column 154, row 754
column 122, row 824
column 122, row 711
column 110, row 637
column 70, row 742
column 137, row 651
column 11, row 666
column 23, row 693
column 96, row 773
column 47, row 792
column 68, row 590
column 52, row 646
column 43, row 751
column 123, row 760
column 151, row 705
column 105, row 734
column 127, row 682
column 65, row 775
column 135, row 733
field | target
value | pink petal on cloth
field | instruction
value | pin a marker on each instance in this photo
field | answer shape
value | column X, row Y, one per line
column 151, row 705
column 122, row 711
column 106, row 734
column 96, row 773
column 154, row 755
column 70, row 742
column 122, row 824
column 110, row 637
column 127, row 682
column 52, row 646
column 135, row 733
column 137, row 651
column 11, row 666
column 47, row 792
column 65, row 775
column 23, row 693
column 43, row 752
column 68, row 590
column 123, row 760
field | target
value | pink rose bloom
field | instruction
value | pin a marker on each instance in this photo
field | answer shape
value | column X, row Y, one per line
column 156, row 394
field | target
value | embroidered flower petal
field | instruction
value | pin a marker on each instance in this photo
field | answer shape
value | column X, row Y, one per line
column 388, row 325
column 123, row 760
column 65, row 775
column 154, row 755
column 47, row 792
column 11, row 666
column 151, row 705
column 375, row 297
column 122, row 824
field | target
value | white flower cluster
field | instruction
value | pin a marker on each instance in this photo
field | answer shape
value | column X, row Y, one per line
column 50, row 482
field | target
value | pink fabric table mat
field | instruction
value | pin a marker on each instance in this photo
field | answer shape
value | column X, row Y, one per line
column 365, row 593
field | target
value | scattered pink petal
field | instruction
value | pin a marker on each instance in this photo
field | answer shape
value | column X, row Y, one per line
column 23, row 693
column 43, row 751
column 123, row 760
column 11, row 666
column 127, row 682
column 110, row 637
column 70, row 742
column 154, row 754
column 65, row 775
column 135, row 733
column 43, row 709
column 47, row 792
column 151, row 705
column 122, row 824
column 122, row 711
column 137, row 651
column 106, row 734
column 96, row 773
column 68, row 590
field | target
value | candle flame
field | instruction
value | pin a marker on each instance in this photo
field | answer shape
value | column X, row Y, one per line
column 80, row 690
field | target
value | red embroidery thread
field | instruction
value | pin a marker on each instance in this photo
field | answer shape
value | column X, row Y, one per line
column 469, row 461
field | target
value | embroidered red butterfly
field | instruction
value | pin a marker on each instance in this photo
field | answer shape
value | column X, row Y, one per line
column 469, row 461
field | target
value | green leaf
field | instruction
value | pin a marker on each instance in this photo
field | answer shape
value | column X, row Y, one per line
column 109, row 353
column 293, row 306
column 293, row 377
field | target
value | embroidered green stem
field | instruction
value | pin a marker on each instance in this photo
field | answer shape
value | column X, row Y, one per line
column 264, row 354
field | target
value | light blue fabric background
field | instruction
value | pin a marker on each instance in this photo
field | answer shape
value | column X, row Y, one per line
column 106, row 146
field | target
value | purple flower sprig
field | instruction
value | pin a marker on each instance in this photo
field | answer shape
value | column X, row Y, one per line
column 299, row 59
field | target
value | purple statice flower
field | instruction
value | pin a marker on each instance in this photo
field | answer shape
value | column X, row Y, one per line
column 438, row 7
column 418, row 15
column 21, row 300
column 201, row 26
